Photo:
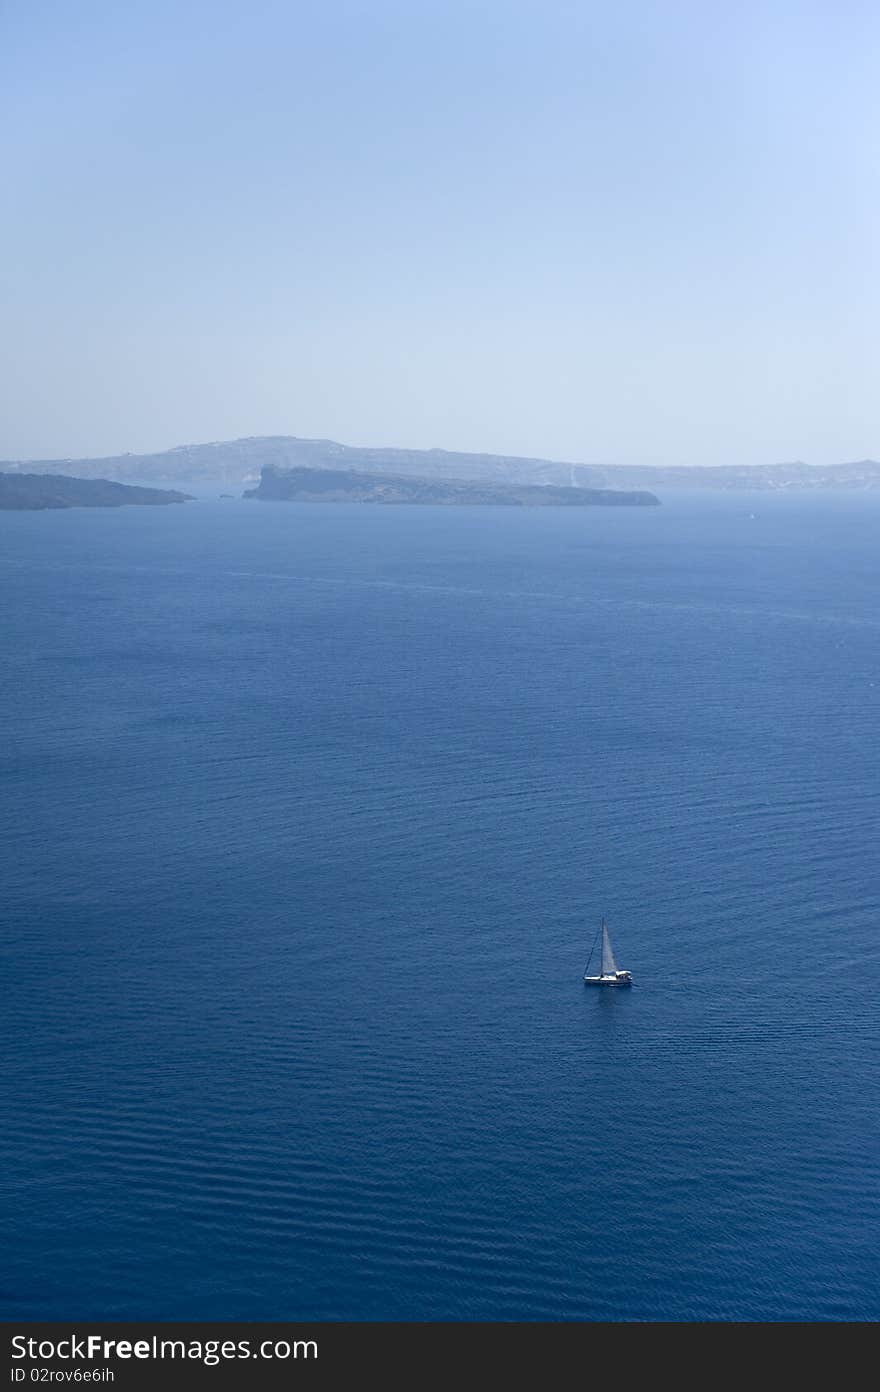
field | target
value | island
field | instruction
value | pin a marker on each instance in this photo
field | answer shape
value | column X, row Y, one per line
column 229, row 464
column 36, row 492
column 304, row 485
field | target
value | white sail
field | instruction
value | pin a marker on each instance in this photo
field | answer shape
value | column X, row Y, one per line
column 609, row 966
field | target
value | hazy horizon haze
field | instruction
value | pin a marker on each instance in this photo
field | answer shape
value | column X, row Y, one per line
column 639, row 237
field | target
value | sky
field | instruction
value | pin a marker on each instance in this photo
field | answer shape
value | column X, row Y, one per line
column 623, row 233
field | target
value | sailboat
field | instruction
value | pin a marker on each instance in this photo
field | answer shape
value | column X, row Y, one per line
column 610, row 973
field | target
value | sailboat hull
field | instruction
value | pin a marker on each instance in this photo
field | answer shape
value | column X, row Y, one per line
column 620, row 979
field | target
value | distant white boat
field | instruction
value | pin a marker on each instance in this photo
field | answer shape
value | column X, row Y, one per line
column 610, row 973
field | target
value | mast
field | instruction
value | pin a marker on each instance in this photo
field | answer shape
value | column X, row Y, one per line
column 593, row 949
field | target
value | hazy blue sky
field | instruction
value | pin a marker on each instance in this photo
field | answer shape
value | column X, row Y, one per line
column 622, row 232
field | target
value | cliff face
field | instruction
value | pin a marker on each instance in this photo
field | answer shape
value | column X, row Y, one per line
column 241, row 461
column 348, row 486
column 35, row 492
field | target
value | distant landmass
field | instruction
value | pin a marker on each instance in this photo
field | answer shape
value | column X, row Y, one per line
column 307, row 485
column 30, row 492
column 241, row 463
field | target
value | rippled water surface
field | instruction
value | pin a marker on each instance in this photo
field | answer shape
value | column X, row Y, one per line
column 310, row 814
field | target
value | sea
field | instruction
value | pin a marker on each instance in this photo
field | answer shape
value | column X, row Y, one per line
column 311, row 814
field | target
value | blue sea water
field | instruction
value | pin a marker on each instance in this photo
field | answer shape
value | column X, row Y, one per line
column 310, row 817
